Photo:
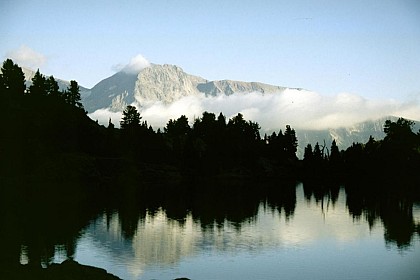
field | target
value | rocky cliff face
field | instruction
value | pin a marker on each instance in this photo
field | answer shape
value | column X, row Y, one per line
column 162, row 83
column 229, row 87
column 165, row 83
column 115, row 93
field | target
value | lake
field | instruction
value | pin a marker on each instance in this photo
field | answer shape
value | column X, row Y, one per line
column 296, row 233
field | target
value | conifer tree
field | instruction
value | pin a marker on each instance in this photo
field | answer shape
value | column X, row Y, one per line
column 110, row 124
column 38, row 86
column 308, row 153
column 290, row 142
column 335, row 153
column 51, row 86
column 131, row 118
column 221, row 121
column 317, row 153
column 12, row 79
column 72, row 95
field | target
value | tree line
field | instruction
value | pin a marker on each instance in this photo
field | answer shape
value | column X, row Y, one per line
column 45, row 118
column 13, row 88
column 210, row 145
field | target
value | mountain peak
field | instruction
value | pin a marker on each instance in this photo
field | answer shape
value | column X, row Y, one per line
column 165, row 83
column 162, row 83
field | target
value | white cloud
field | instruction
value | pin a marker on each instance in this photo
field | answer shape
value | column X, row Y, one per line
column 25, row 56
column 103, row 116
column 135, row 65
column 299, row 108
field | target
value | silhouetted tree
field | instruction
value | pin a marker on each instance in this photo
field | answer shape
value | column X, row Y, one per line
column 372, row 149
column 280, row 145
column 205, row 127
column 283, row 146
column 51, row 86
column 335, row 153
column 246, row 131
column 12, row 81
column 221, row 120
column 72, row 95
column 317, row 154
column 399, row 130
column 221, row 125
column 204, row 133
column 38, row 86
column 400, row 148
column 110, row 124
column 178, row 127
column 131, row 118
column 177, row 134
column 354, row 157
column 242, row 139
column 290, row 142
column 308, row 153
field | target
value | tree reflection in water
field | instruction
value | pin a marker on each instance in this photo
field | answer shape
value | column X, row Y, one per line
column 39, row 222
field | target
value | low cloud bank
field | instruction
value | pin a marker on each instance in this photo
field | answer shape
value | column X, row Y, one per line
column 299, row 108
column 103, row 116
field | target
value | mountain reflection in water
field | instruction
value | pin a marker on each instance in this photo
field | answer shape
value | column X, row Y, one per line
column 218, row 231
column 159, row 242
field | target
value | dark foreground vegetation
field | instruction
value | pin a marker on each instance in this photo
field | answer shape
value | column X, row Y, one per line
column 57, row 163
column 46, row 134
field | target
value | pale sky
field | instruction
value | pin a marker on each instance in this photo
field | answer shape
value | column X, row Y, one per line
column 369, row 48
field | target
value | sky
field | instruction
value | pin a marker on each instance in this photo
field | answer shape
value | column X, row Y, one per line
column 371, row 48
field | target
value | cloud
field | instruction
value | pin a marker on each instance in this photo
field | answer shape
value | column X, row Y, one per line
column 299, row 108
column 135, row 65
column 103, row 116
column 25, row 56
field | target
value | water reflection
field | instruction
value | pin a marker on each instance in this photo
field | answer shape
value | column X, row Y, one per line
column 136, row 228
column 162, row 229
column 392, row 209
column 305, row 220
column 39, row 221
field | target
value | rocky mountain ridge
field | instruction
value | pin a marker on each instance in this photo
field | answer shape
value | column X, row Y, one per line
column 162, row 83
column 168, row 83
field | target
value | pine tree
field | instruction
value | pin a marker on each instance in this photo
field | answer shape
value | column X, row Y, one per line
column 131, row 118
column 72, row 95
column 51, row 86
column 335, row 153
column 221, row 121
column 317, row 153
column 12, row 79
column 38, row 86
column 308, row 154
column 110, row 124
column 290, row 141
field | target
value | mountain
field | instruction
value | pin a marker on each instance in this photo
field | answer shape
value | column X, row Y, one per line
column 168, row 83
column 115, row 92
column 162, row 83
column 345, row 136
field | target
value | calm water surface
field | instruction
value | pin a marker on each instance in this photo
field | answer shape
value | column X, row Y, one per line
column 320, row 239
